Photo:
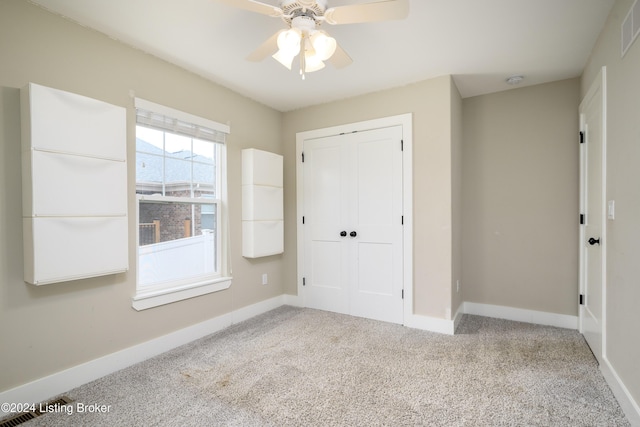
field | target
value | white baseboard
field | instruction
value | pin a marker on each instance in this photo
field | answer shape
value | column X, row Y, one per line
column 60, row 382
column 629, row 406
column 431, row 324
column 522, row 315
column 246, row 313
column 292, row 300
column 52, row 385
column 458, row 317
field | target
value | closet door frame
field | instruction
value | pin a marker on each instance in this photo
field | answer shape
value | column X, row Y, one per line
column 404, row 120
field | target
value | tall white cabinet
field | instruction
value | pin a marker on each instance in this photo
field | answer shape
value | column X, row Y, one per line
column 74, row 180
column 262, row 203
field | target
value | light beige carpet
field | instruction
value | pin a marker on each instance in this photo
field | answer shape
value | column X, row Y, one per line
column 306, row 367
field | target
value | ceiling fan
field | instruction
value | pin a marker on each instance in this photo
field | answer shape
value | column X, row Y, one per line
column 303, row 36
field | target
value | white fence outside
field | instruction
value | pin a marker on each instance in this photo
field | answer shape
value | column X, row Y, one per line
column 177, row 259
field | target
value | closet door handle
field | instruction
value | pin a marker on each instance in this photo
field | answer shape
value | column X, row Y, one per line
column 343, row 233
column 593, row 241
column 353, row 234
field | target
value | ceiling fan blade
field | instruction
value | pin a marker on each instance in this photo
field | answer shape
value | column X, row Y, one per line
column 385, row 10
column 268, row 48
column 340, row 58
column 255, row 6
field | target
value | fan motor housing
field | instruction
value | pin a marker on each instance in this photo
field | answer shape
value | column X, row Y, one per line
column 300, row 8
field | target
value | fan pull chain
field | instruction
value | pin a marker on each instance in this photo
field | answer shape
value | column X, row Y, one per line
column 303, row 63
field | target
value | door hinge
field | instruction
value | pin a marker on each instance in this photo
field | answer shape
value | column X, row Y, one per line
column 581, row 137
column 303, row 157
column 581, row 219
column 304, row 281
column 402, row 145
column 402, row 220
column 403, row 294
column 581, row 299
column 303, row 220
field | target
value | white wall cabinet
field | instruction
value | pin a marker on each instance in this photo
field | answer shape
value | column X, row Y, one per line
column 74, row 180
column 262, row 203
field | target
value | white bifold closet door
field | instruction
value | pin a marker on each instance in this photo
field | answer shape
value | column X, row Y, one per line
column 353, row 224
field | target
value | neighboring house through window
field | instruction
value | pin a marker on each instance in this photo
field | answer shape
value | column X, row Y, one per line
column 181, row 191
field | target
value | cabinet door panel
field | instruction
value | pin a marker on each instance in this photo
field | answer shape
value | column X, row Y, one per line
column 262, row 238
column 73, row 248
column 70, row 123
column 64, row 185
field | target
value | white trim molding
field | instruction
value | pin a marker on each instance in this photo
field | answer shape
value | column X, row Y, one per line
column 60, row 382
column 431, row 324
column 406, row 121
column 522, row 315
column 629, row 406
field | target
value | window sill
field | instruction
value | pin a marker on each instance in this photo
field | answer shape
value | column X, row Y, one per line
column 153, row 298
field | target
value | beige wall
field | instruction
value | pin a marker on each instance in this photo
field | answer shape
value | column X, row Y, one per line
column 509, row 241
column 457, row 176
column 49, row 328
column 430, row 104
column 520, row 198
column 623, row 180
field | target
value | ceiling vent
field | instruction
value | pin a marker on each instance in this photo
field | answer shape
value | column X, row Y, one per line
column 630, row 27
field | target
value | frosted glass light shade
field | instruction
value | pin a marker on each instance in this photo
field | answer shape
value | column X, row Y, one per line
column 313, row 63
column 324, row 45
column 289, row 42
column 284, row 58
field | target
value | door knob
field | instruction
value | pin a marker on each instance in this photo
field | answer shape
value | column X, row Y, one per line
column 343, row 233
column 593, row 241
column 353, row 234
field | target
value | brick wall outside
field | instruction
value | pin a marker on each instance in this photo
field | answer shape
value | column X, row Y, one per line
column 172, row 217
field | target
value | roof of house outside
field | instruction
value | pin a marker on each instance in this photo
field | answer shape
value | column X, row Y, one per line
column 149, row 159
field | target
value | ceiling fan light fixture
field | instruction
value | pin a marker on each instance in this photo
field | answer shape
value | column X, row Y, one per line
column 324, row 45
column 284, row 58
column 289, row 42
column 312, row 63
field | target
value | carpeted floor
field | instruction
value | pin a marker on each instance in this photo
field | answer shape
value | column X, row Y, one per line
column 306, row 367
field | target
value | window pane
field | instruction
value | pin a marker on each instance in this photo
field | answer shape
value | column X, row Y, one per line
column 204, row 180
column 177, row 178
column 178, row 146
column 149, row 140
column 177, row 241
column 149, row 173
column 174, row 165
column 208, row 218
column 204, row 150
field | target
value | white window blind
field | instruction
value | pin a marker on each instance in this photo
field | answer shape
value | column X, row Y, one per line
column 168, row 119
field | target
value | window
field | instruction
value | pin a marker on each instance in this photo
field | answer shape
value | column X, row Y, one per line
column 180, row 189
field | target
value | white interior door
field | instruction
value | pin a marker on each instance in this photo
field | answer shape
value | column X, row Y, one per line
column 592, row 235
column 326, row 267
column 353, row 224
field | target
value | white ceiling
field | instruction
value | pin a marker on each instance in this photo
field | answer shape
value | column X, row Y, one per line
column 479, row 42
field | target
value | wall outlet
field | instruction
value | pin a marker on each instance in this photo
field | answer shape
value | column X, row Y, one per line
column 611, row 209
column 265, row 279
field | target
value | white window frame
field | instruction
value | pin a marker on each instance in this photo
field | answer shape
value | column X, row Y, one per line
column 165, row 293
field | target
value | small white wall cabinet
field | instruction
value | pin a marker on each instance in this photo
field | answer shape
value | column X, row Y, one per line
column 74, row 184
column 262, row 204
